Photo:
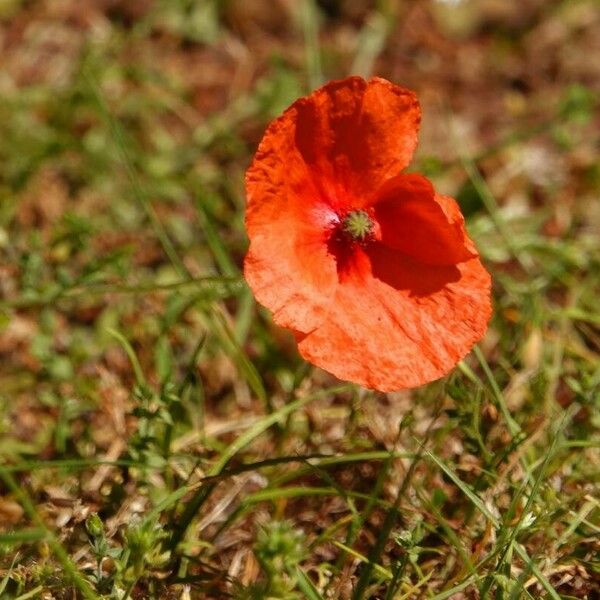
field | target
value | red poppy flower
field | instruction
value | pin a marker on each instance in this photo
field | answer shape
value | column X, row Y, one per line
column 371, row 269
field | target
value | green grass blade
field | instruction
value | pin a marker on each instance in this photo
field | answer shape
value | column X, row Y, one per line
column 214, row 242
column 372, row 39
column 386, row 573
column 536, row 571
column 25, row 536
column 455, row 590
column 309, row 18
column 306, row 586
column 464, row 488
column 244, row 365
column 139, row 192
column 135, row 363
column 513, row 426
column 31, row 593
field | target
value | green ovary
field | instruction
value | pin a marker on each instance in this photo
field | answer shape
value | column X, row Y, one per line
column 358, row 225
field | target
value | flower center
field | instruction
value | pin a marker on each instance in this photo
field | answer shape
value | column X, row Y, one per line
column 358, row 225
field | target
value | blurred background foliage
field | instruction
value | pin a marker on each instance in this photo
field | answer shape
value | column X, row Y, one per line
column 159, row 437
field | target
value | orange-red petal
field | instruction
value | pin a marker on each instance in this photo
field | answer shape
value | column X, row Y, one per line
column 290, row 270
column 421, row 224
column 403, row 324
column 287, row 266
column 355, row 134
